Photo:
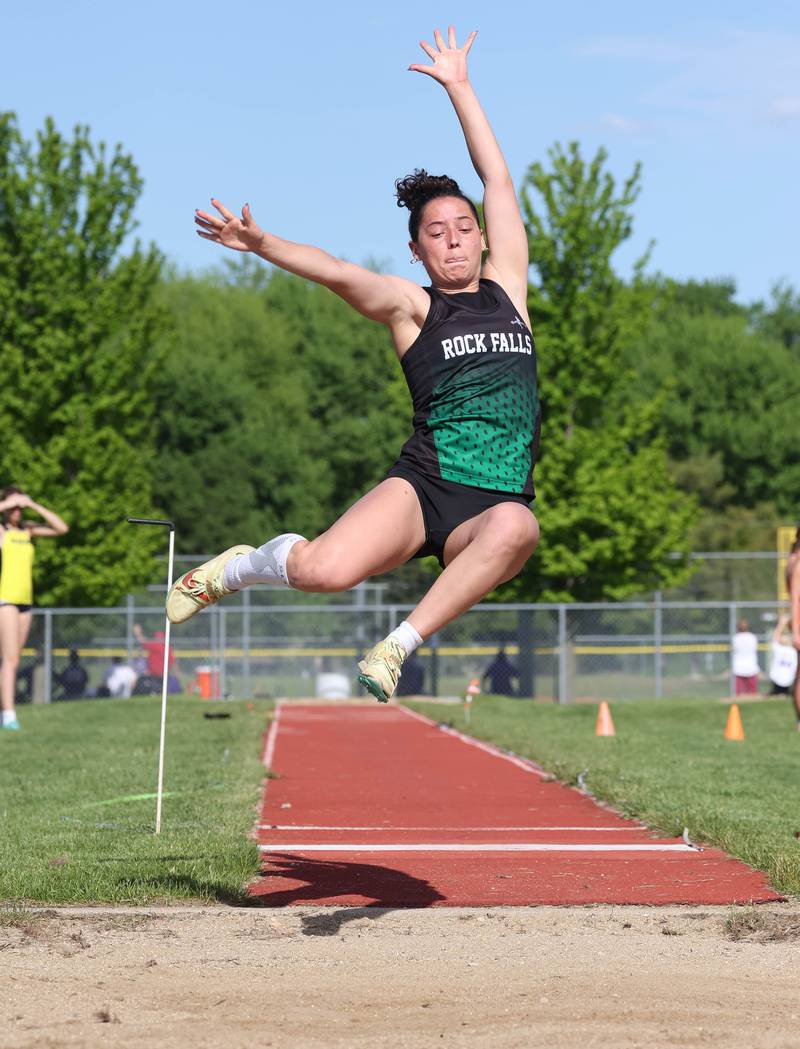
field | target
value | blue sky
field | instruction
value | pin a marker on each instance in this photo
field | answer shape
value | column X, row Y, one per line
column 308, row 112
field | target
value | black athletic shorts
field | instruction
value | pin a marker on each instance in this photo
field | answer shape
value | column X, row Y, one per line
column 445, row 505
column 21, row 608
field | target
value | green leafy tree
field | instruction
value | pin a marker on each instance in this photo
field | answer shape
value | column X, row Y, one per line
column 77, row 326
column 780, row 318
column 354, row 385
column 695, row 297
column 609, row 510
column 293, row 406
column 729, row 399
column 238, row 461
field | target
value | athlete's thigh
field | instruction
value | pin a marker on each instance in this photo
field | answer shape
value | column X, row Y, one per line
column 504, row 521
column 382, row 530
column 9, row 631
column 25, row 620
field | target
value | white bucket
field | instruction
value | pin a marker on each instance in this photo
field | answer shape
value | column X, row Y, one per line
column 333, row 686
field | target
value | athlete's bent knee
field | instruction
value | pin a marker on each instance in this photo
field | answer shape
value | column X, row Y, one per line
column 513, row 529
column 318, row 571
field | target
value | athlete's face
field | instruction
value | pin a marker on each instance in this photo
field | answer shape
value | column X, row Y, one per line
column 13, row 516
column 449, row 243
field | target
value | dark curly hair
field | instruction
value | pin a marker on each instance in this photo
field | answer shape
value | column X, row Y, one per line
column 415, row 191
column 10, row 489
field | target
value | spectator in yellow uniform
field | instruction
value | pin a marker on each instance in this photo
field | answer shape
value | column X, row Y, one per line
column 16, row 586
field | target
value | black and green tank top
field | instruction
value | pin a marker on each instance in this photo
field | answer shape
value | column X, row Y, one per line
column 472, row 377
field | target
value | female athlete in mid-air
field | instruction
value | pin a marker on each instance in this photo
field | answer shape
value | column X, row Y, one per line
column 462, row 486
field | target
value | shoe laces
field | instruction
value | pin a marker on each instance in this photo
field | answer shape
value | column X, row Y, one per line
column 215, row 588
column 192, row 585
column 389, row 654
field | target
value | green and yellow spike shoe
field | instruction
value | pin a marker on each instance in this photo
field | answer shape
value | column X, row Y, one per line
column 201, row 587
column 380, row 669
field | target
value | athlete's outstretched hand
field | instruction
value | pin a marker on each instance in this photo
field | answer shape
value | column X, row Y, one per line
column 240, row 234
column 449, row 62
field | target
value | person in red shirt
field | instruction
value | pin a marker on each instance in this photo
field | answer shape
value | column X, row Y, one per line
column 154, row 652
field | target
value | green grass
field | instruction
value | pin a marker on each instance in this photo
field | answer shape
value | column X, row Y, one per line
column 671, row 766
column 69, row 832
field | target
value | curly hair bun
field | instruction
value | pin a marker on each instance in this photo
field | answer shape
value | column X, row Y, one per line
column 414, row 191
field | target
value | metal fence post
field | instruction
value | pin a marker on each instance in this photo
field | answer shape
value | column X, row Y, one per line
column 526, row 659
column 247, row 688
column 223, row 637
column 658, row 630
column 48, row 655
column 562, row 653
column 213, row 648
column 359, row 610
column 433, row 641
column 130, row 605
column 731, row 630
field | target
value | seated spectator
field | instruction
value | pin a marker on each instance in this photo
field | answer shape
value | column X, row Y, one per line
column 147, row 685
column 783, row 661
column 412, row 679
column 120, row 679
column 500, row 673
column 73, row 679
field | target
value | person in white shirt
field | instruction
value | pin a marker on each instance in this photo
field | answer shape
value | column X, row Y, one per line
column 793, row 586
column 120, row 679
column 783, row 664
column 744, row 655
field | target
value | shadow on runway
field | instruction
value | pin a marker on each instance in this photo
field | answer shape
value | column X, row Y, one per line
column 292, row 880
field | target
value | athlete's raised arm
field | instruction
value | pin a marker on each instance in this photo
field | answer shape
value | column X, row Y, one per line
column 794, row 590
column 378, row 296
column 55, row 524
column 505, row 230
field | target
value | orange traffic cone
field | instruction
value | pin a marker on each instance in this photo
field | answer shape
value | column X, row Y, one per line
column 734, row 730
column 604, row 726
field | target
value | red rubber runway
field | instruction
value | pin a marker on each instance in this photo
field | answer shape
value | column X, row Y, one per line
column 378, row 806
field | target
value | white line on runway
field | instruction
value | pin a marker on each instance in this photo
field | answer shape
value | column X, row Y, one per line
column 459, row 829
column 496, row 752
column 272, row 735
column 504, row 847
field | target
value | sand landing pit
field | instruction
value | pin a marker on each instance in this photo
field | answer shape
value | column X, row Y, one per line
column 311, row 977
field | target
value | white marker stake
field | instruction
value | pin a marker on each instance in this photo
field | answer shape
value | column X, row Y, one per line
column 160, row 788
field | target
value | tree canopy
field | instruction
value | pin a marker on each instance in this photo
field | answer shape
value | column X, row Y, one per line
column 295, row 407
column 78, row 324
column 610, row 512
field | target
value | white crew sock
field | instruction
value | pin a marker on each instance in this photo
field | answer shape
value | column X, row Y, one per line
column 407, row 636
column 8, row 717
column 265, row 565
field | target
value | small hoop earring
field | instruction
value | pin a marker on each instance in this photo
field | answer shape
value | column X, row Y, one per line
column 414, row 259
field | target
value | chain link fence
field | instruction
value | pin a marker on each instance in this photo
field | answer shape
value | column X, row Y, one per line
column 259, row 644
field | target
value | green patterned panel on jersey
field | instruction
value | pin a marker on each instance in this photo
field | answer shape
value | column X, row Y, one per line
column 482, row 429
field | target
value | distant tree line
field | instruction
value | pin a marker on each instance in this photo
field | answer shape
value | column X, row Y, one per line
column 243, row 401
